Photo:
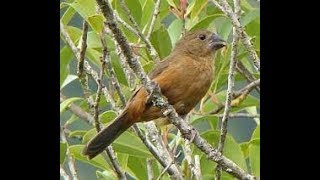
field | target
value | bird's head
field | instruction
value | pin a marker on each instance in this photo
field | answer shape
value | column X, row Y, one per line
column 200, row 43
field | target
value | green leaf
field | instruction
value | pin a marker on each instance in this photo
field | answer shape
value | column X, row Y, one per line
column 224, row 29
column 107, row 116
column 135, row 10
column 205, row 23
column 115, row 60
column 93, row 40
column 85, row 8
column 68, row 80
column 105, row 175
column 74, row 33
column 67, row 16
column 245, row 149
column 147, row 13
column 96, row 22
column 210, row 119
column 244, row 4
column 130, row 144
column 256, row 133
column 63, row 151
column 98, row 161
column 254, row 157
column 77, row 133
column 161, row 41
column 89, row 135
column 173, row 3
column 138, row 167
column 123, row 160
column 148, row 66
column 174, row 30
column 249, row 17
column 67, row 102
column 65, row 58
column 197, row 8
column 231, row 150
column 94, row 56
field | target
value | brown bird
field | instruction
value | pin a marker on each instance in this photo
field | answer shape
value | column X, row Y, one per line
column 184, row 78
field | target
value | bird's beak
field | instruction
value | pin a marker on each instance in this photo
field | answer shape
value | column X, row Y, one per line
column 216, row 42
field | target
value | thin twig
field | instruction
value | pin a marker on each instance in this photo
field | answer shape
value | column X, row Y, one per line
column 157, row 98
column 239, row 96
column 71, row 164
column 225, row 7
column 240, row 115
column 150, row 170
column 80, row 69
column 154, row 54
column 94, row 74
column 154, row 136
column 87, row 67
column 110, row 69
column 154, row 18
column 164, row 170
column 160, row 152
column 187, row 150
column 246, row 73
column 197, row 167
column 78, row 111
column 64, row 174
column 227, row 106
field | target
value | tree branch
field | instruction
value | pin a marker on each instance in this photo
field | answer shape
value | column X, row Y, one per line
column 186, row 130
column 227, row 106
column 160, row 153
column 98, row 81
column 246, row 73
column 150, row 48
column 71, row 165
column 238, row 96
column 64, row 174
column 225, row 7
column 149, row 169
column 154, row 18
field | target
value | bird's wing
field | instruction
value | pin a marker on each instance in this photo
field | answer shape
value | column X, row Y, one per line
column 162, row 65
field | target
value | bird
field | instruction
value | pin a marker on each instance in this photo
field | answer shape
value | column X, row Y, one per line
column 184, row 77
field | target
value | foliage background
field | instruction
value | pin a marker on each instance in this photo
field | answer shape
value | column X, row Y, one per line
column 242, row 145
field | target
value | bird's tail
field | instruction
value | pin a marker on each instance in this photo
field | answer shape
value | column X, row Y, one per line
column 106, row 136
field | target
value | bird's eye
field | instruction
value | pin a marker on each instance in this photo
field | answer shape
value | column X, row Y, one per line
column 202, row 36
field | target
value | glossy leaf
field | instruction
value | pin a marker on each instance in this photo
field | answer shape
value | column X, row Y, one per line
column 205, row 23
column 135, row 10
column 107, row 116
column 254, row 157
column 68, row 80
column 256, row 133
column 138, row 167
column 96, row 22
column 231, row 150
column 85, row 8
column 67, row 16
column 63, row 151
column 67, row 102
column 65, row 58
column 198, row 7
column 98, row 161
column 129, row 143
column 175, row 30
column 77, row 133
column 115, row 60
column 210, row 119
column 161, row 41
column 106, row 175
